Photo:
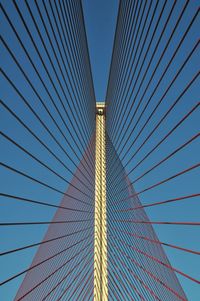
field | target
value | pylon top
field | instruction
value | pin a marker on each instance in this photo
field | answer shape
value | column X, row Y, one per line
column 100, row 108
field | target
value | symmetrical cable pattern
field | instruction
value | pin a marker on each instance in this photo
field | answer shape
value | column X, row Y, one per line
column 99, row 200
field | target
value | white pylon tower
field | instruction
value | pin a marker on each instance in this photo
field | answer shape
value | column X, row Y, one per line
column 100, row 230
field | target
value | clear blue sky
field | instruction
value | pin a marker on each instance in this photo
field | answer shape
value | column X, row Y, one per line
column 100, row 19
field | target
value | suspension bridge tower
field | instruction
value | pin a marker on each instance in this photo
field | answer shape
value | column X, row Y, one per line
column 100, row 230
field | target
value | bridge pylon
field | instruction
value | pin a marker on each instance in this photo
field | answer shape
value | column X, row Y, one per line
column 100, row 229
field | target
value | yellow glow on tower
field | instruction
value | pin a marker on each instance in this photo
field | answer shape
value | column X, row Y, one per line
column 100, row 236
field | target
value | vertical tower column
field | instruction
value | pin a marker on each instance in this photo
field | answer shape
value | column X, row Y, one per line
column 100, row 235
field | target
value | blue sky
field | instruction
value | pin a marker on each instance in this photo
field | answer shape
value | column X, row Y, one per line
column 100, row 19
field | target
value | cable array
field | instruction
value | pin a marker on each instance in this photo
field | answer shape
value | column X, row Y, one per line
column 141, row 194
column 151, row 121
column 49, row 127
